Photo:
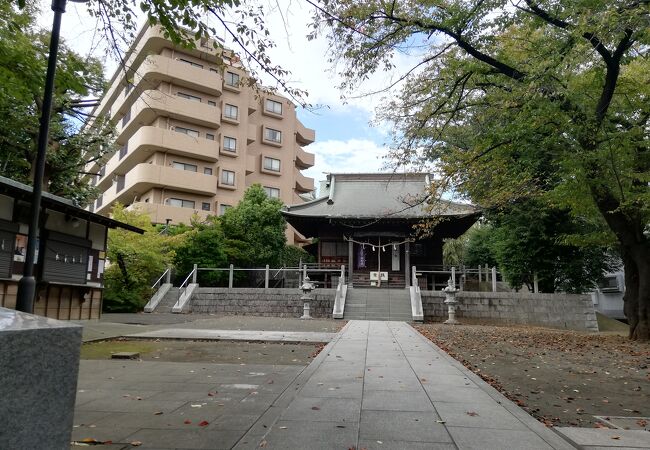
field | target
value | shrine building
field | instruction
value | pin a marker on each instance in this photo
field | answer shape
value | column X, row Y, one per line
column 369, row 222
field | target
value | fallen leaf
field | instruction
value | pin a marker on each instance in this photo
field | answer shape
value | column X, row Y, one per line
column 471, row 413
column 187, row 421
column 263, row 443
column 136, row 443
column 204, row 423
column 158, row 413
column 283, row 428
column 315, row 408
column 616, row 437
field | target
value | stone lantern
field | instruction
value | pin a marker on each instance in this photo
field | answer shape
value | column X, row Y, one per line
column 450, row 301
column 306, row 287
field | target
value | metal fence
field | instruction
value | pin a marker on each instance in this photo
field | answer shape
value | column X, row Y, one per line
column 481, row 278
column 264, row 277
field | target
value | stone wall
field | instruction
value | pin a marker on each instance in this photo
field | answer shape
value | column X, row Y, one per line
column 260, row 302
column 568, row 311
column 39, row 362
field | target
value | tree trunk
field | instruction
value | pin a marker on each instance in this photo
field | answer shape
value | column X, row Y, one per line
column 636, row 262
column 635, row 253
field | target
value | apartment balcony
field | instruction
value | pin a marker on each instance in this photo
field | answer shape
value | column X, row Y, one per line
column 144, row 177
column 304, row 135
column 253, row 103
column 160, row 213
column 157, row 68
column 304, row 160
column 252, row 164
column 252, row 133
column 149, row 140
column 303, row 183
column 152, row 104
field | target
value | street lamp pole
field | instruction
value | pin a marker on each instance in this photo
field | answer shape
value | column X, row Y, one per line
column 27, row 284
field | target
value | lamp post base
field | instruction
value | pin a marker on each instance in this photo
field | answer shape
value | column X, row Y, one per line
column 26, row 294
column 305, row 311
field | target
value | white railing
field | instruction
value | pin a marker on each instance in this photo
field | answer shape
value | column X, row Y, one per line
column 183, row 288
column 166, row 274
column 339, row 300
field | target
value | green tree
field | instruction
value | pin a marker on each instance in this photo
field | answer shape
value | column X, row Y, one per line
column 135, row 261
column 255, row 230
column 479, row 249
column 540, row 99
column 530, row 239
column 23, row 61
column 204, row 245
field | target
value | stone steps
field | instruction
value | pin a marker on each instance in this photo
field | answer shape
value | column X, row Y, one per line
column 378, row 304
column 168, row 301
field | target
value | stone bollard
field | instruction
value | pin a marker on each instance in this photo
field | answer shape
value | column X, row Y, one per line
column 306, row 287
column 450, row 301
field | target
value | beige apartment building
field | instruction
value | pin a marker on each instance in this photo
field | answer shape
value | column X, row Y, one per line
column 192, row 136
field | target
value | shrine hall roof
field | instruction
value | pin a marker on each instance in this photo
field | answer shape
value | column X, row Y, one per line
column 372, row 196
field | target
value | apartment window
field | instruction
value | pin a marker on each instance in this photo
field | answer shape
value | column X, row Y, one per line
column 189, row 97
column 184, row 166
column 188, row 131
column 209, row 136
column 223, row 209
column 228, row 177
column 229, row 144
column 100, row 200
column 273, row 106
column 191, row 63
column 180, row 203
column 271, row 164
column 212, row 103
column 272, row 192
column 207, row 170
column 205, row 206
column 232, row 79
column 272, row 135
column 230, row 111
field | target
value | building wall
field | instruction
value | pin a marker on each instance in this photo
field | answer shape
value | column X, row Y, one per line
column 567, row 311
column 150, row 114
column 71, row 255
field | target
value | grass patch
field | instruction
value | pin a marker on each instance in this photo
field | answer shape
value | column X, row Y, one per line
column 104, row 349
column 608, row 325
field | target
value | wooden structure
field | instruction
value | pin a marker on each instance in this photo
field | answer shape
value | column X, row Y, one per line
column 368, row 223
column 71, row 253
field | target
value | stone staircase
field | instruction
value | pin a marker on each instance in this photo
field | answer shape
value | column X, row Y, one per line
column 378, row 304
column 395, row 280
column 168, row 301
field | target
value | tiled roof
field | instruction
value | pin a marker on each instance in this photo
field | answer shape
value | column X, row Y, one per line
column 366, row 196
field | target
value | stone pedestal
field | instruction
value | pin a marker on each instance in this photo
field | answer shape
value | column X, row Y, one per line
column 39, row 364
column 450, row 301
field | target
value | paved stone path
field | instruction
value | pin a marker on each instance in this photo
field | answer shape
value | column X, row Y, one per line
column 381, row 385
column 236, row 335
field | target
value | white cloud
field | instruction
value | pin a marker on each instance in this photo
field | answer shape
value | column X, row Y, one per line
column 353, row 155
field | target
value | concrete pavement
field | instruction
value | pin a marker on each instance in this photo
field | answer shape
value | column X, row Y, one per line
column 376, row 385
column 382, row 385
